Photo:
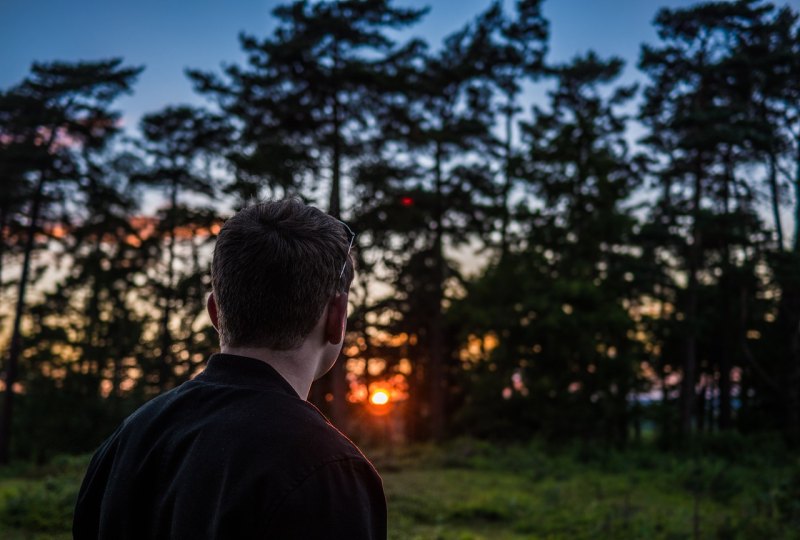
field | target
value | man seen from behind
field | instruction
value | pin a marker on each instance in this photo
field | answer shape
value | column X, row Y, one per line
column 238, row 452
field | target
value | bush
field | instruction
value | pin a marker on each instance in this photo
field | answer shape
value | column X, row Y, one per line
column 41, row 507
column 788, row 500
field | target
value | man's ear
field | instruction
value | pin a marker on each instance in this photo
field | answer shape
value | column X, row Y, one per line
column 337, row 319
column 211, row 305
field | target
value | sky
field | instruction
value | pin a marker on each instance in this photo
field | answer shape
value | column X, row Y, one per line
column 168, row 36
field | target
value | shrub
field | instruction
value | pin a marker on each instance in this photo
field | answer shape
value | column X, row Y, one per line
column 788, row 500
column 41, row 507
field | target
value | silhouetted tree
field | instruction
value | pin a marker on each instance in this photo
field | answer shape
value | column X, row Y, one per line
column 710, row 111
column 521, row 48
column 179, row 144
column 58, row 109
column 86, row 339
column 561, row 358
column 431, row 188
column 305, row 104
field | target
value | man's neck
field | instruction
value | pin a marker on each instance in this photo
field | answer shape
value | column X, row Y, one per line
column 296, row 367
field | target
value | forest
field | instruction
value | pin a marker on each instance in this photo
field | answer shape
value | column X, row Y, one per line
column 610, row 264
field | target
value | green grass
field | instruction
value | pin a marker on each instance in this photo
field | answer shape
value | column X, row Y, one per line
column 36, row 502
column 473, row 490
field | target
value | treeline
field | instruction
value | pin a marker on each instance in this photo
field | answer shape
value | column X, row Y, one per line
column 617, row 286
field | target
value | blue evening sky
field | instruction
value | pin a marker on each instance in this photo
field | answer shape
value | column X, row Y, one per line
column 168, row 36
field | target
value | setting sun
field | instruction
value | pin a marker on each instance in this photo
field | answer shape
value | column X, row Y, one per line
column 379, row 397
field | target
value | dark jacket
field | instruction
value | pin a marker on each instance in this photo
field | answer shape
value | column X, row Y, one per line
column 234, row 453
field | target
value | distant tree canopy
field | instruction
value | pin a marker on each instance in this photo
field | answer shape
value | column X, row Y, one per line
column 550, row 271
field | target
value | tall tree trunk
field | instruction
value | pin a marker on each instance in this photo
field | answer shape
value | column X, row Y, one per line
column 120, row 306
column 16, row 338
column 791, row 300
column 710, row 408
column 507, row 181
column 338, row 380
column 92, row 350
column 792, row 383
column 797, row 197
column 437, row 384
column 725, row 363
column 3, row 218
column 690, row 360
column 775, row 198
column 166, row 364
column 334, row 204
column 725, row 408
column 700, row 411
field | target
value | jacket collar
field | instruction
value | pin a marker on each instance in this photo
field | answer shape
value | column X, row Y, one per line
column 243, row 371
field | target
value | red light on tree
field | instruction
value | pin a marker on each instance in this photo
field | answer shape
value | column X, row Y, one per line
column 407, row 201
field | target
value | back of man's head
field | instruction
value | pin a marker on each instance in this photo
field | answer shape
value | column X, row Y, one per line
column 275, row 267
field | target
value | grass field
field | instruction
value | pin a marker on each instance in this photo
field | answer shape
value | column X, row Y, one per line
column 473, row 490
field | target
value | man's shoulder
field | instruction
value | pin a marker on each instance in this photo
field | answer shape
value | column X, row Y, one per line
column 260, row 433
column 250, row 421
column 301, row 427
column 257, row 449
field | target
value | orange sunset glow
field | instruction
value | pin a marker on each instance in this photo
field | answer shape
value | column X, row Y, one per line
column 379, row 397
column 145, row 227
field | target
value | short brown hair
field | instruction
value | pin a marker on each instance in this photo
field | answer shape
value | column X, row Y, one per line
column 276, row 265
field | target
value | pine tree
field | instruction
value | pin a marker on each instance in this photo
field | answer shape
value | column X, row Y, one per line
column 180, row 146
column 306, row 104
column 768, row 62
column 59, row 109
column 554, row 311
column 699, row 112
column 521, row 50
column 432, row 187
column 85, row 349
